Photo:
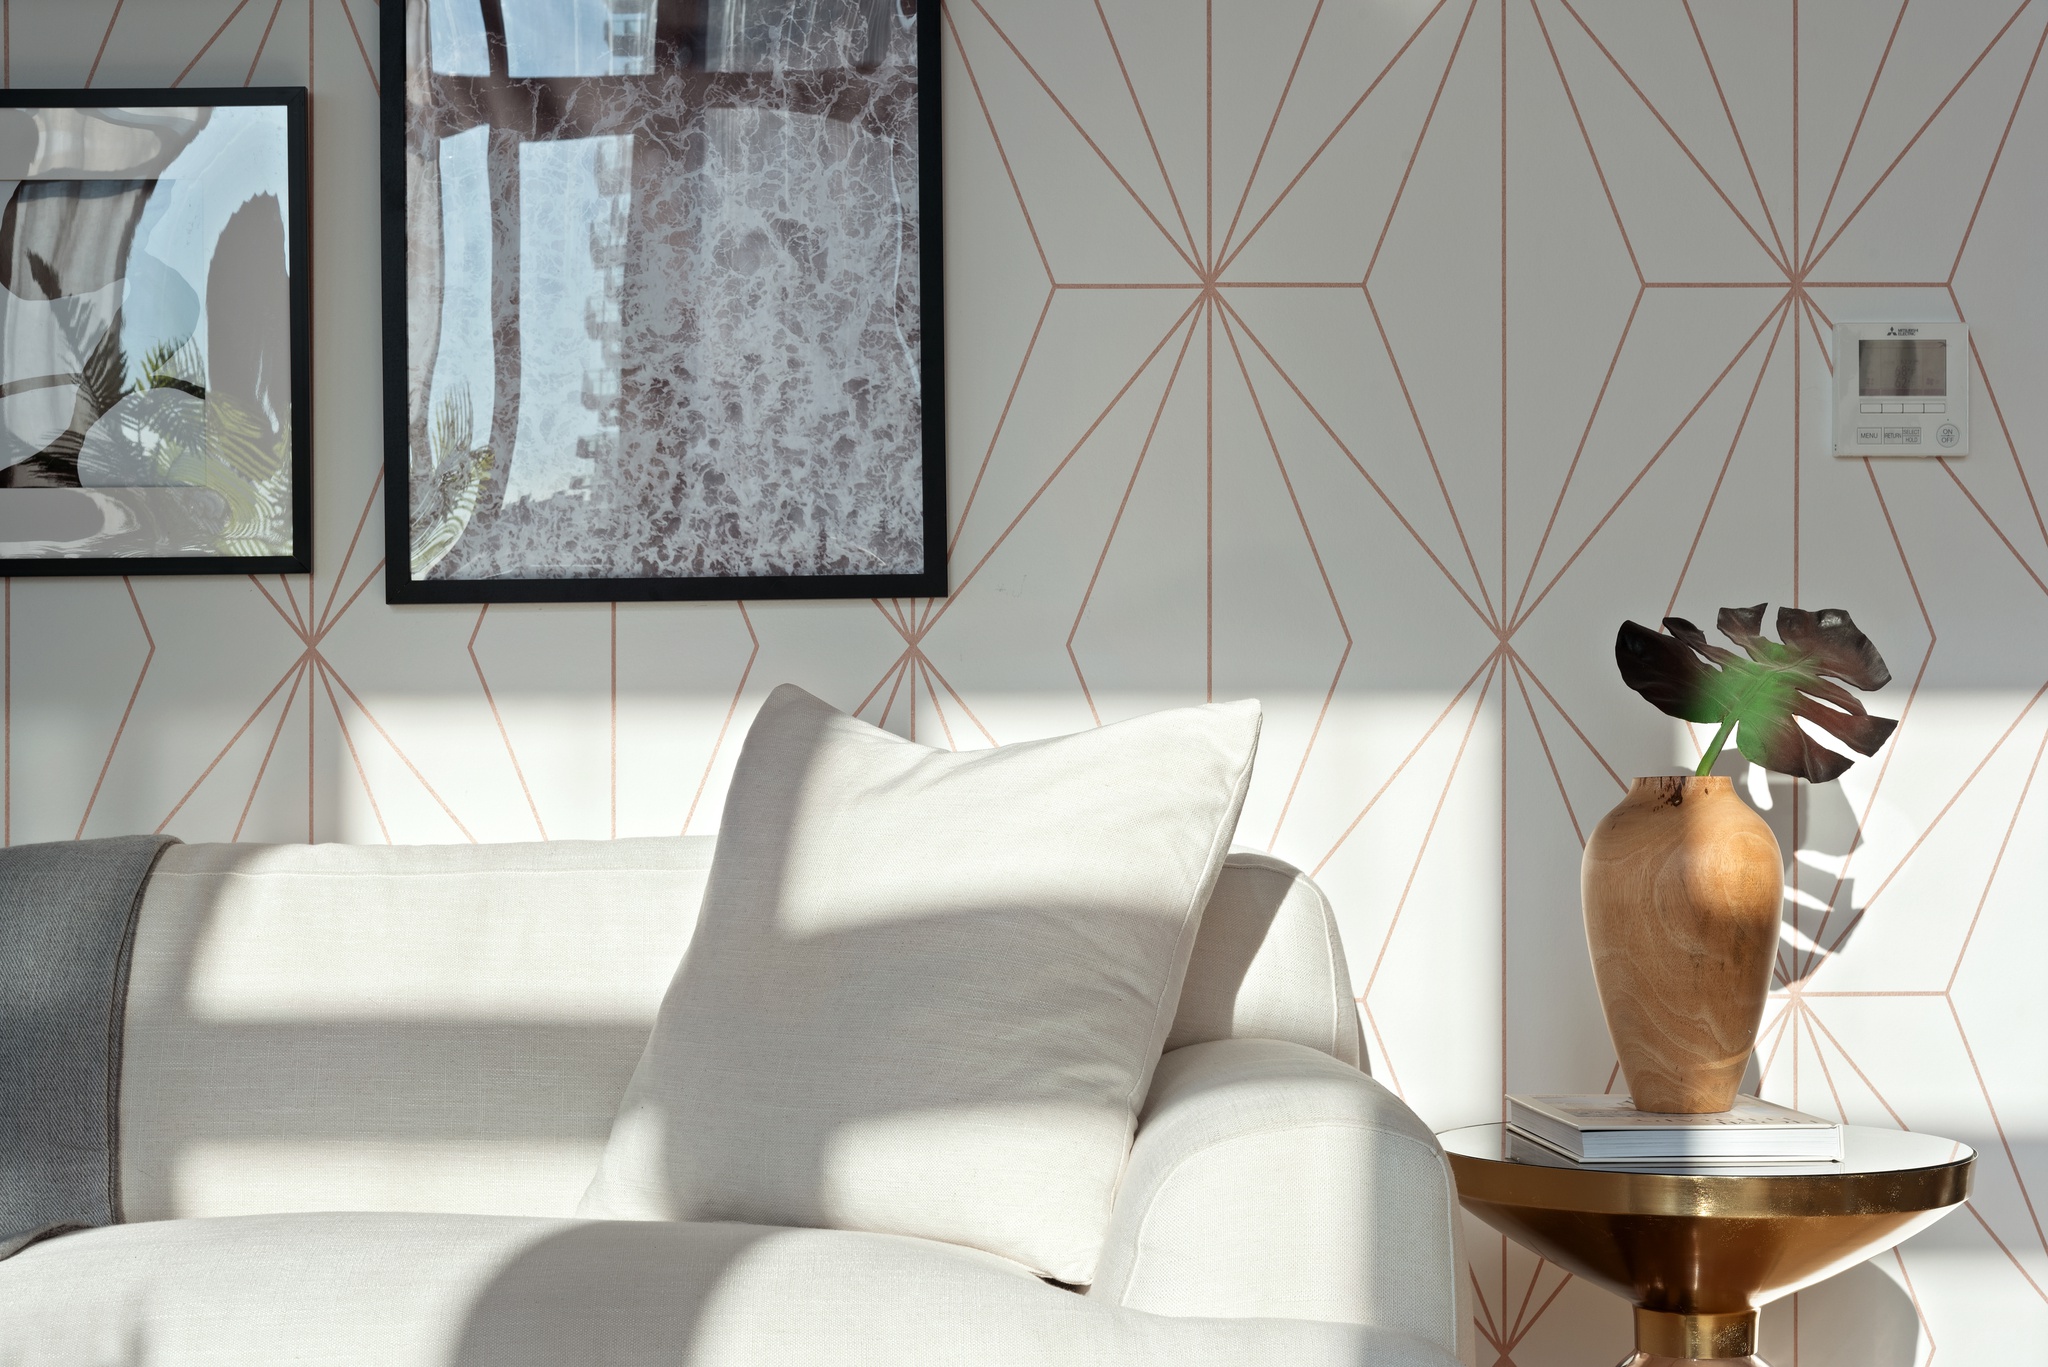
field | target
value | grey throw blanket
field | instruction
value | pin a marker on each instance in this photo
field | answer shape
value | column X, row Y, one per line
column 67, row 929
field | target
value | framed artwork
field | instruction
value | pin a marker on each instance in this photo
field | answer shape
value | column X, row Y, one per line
column 155, row 407
column 662, row 309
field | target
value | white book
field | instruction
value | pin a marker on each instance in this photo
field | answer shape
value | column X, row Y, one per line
column 1606, row 1129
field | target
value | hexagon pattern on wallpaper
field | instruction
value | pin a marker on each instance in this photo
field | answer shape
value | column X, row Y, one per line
column 1373, row 357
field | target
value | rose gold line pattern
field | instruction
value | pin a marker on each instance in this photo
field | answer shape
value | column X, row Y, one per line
column 291, row 622
column 1488, row 614
column 1061, row 105
column 1414, row 152
column 207, row 46
column 1002, row 419
column 368, row 65
column 1998, row 1125
column 1665, row 124
column 1336, row 608
column 1487, row 1330
column 2011, row 446
column 1208, row 252
column 403, row 758
column 1272, row 124
column 1323, row 146
column 1828, row 1076
column 1811, row 313
column 1735, row 129
column 1209, row 496
column 368, row 579
column 1002, row 154
column 283, row 715
column 1856, row 131
column 112, row 20
column 1429, row 831
column 233, row 740
column 1971, row 1206
column 1515, row 664
column 341, row 722
column 897, row 673
column 1911, row 142
column 725, row 726
column 275, row 10
column 1280, row 370
column 1997, row 156
column 1819, row 1027
column 1997, row 862
column 1503, row 435
column 298, row 618
column 1919, row 1311
column 1578, row 454
column 1584, row 739
column 1145, row 124
column 925, row 672
column 1486, row 667
column 498, row 720
column 1586, row 137
column 126, row 712
column 1734, row 441
column 342, row 569
column 1954, row 797
column 1948, row 468
column 1648, row 465
column 1144, row 449
column 1805, row 963
column 1065, row 461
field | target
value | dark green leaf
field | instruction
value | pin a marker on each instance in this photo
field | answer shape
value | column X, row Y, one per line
column 1834, row 645
column 1665, row 672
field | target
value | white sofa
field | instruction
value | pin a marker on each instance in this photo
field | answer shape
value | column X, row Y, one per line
column 364, row 1089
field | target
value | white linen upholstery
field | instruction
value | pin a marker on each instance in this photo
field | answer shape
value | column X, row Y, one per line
column 426, row 1027
column 335, row 1290
column 451, row 1028
column 928, row 989
column 1272, row 1181
column 1268, row 964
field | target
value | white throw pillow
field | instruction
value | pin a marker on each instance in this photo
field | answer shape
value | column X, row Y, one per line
column 927, row 990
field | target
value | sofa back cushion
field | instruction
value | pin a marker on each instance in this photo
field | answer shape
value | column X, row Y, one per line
column 928, row 988
column 427, row 1027
column 451, row 1028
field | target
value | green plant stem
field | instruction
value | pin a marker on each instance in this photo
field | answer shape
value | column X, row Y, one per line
column 1728, row 721
column 1714, row 750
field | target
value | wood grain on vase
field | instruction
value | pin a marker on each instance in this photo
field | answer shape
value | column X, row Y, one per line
column 1682, row 885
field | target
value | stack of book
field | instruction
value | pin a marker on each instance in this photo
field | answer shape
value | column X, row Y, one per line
column 1606, row 1129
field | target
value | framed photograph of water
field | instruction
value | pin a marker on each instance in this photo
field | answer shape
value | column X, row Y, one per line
column 662, row 311
column 154, row 404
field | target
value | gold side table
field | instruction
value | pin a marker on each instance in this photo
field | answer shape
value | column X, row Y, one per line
column 1698, row 1248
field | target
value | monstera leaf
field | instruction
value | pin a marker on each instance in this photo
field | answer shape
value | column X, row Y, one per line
column 1760, row 694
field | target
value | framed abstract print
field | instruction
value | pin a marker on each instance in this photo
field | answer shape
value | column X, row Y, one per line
column 154, row 386
column 662, row 313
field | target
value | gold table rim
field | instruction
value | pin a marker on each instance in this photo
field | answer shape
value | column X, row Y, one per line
column 1761, row 1196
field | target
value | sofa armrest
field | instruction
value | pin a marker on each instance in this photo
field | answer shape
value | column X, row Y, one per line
column 1271, row 1181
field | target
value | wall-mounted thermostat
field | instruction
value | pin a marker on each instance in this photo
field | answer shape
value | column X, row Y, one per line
column 1902, row 389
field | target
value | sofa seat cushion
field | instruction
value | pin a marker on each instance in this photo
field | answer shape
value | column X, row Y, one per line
column 412, row 1290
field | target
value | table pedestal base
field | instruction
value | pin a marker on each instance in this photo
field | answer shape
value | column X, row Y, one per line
column 1664, row 1336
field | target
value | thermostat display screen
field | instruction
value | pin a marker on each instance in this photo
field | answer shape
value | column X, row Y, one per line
column 1901, row 368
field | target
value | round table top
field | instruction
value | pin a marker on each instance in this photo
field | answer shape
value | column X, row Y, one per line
column 1881, row 1171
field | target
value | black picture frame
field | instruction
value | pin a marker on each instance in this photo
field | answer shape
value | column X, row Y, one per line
column 400, row 585
column 298, row 237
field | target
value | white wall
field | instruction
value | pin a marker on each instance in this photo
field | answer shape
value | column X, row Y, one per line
column 1571, row 393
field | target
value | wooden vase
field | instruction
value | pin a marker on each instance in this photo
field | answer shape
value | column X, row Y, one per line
column 1682, row 885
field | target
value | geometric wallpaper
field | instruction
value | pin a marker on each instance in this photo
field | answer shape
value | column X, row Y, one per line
column 1370, row 357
